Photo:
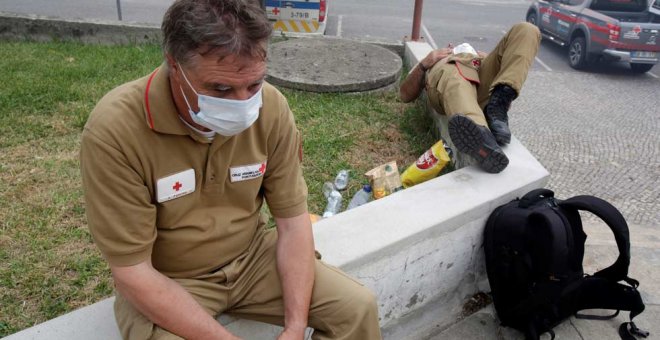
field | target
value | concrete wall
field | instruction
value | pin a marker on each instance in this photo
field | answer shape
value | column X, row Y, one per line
column 39, row 28
column 420, row 250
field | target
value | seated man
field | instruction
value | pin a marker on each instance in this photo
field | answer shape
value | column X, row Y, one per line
column 176, row 167
column 476, row 90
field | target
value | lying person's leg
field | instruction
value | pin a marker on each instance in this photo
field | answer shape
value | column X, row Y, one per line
column 503, row 73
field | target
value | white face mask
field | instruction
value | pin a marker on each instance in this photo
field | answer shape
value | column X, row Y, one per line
column 226, row 117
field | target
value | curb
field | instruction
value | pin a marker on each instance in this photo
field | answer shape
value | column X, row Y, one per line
column 14, row 27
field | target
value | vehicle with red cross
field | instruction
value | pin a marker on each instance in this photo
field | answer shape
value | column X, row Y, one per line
column 297, row 17
column 611, row 30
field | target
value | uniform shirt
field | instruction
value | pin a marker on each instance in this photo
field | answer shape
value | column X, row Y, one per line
column 463, row 65
column 156, row 189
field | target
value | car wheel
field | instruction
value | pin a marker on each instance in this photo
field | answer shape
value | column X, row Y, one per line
column 577, row 53
column 641, row 68
column 531, row 18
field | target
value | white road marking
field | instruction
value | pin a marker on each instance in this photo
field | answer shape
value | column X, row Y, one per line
column 653, row 75
column 546, row 67
column 429, row 37
column 339, row 20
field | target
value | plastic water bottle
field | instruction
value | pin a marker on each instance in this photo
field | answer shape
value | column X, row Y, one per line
column 334, row 200
column 341, row 181
column 361, row 197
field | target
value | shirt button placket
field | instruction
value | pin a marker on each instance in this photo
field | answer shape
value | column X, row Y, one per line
column 210, row 175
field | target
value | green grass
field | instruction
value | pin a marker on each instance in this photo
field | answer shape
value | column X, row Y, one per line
column 48, row 263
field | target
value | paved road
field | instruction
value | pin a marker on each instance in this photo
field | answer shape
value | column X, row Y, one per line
column 595, row 131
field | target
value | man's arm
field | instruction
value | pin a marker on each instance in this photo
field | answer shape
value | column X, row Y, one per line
column 166, row 303
column 295, row 265
column 413, row 85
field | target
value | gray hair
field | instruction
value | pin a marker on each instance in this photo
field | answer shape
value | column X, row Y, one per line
column 222, row 27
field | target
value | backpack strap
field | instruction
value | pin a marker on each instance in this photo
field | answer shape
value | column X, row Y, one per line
column 613, row 218
column 601, row 293
column 620, row 298
column 628, row 333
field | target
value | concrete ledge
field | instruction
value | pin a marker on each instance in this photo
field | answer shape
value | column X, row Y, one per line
column 420, row 250
column 97, row 321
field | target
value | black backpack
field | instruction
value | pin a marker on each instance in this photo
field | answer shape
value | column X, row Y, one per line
column 534, row 249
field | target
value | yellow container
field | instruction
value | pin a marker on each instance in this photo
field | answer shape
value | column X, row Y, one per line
column 427, row 166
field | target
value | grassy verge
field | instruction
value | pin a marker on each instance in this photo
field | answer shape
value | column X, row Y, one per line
column 48, row 263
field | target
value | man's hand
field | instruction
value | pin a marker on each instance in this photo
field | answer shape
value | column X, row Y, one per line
column 436, row 55
column 291, row 334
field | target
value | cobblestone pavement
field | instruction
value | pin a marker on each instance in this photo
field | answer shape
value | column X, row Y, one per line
column 597, row 133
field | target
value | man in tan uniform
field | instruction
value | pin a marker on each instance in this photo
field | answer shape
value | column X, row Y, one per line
column 476, row 90
column 176, row 167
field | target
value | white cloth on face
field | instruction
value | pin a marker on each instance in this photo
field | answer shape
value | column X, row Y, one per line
column 465, row 48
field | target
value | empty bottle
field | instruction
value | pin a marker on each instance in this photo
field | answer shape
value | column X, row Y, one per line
column 334, row 200
column 361, row 197
column 341, row 181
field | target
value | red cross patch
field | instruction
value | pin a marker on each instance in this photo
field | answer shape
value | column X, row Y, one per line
column 176, row 185
column 476, row 63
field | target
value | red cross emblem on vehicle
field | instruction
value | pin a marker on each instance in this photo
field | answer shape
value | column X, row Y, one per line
column 276, row 11
column 637, row 29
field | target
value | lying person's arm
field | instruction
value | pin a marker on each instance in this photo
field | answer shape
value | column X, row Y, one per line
column 413, row 85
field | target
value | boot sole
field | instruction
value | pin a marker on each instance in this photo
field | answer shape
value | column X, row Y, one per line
column 468, row 139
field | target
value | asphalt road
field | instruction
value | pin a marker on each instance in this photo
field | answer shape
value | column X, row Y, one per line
column 596, row 131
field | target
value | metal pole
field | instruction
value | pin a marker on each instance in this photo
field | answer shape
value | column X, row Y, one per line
column 119, row 9
column 417, row 19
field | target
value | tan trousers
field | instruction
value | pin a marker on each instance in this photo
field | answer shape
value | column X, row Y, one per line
column 249, row 288
column 449, row 93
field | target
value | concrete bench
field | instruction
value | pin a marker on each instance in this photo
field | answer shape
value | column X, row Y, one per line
column 420, row 250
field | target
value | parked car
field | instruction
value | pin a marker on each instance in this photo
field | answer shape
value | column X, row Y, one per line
column 655, row 7
column 615, row 30
column 297, row 17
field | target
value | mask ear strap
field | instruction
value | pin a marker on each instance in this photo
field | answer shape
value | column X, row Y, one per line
column 186, row 99
column 186, row 79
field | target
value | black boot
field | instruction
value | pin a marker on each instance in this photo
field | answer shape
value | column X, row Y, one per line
column 477, row 142
column 496, row 112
